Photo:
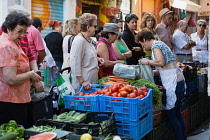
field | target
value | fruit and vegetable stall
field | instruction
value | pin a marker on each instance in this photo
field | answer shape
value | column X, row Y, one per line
column 115, row 108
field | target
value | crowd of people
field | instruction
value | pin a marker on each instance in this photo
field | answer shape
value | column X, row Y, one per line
column 22, row 50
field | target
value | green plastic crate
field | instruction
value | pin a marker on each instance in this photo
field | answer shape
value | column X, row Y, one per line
column 195, row 115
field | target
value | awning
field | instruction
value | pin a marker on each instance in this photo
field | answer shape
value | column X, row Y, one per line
column 185, row 5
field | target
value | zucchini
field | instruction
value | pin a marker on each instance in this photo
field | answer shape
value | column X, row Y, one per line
column 9, row 136
column 63, row 115
column 71, row 113
column 80, row 117
column 75, row 115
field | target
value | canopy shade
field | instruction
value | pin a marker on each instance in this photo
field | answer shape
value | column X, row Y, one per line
column 185, row 5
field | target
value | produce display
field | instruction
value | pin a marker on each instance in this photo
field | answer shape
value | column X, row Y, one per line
column 11, row 131
column 41, row 128
column 71, row 116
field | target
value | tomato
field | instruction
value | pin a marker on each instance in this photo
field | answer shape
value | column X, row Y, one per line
column 86, row 94
column 132, row 95
column 114, row 89
column 144, row 89
column 119, row 95
column 124, row 93
column 145, row 94
column 114, row 94
column 130, row 89
column 119, row 85
column 101, row 91
column 128, row 95
column 80, row 94
column 135, row 91
column 141, row 96
column 108, row 94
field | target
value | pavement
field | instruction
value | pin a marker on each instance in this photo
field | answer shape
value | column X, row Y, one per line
column 201, row 133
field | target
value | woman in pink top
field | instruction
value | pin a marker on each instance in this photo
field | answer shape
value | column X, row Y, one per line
column 15, row 75
column 105, row 49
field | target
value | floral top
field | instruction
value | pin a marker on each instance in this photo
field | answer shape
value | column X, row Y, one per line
column 11, row 55
column 167, row 53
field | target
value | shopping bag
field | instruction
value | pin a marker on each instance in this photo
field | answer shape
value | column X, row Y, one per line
column 64, row 86
column 126, row 71
column 146, row 72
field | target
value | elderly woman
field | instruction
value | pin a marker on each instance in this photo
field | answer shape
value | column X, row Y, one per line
column 105, row 48
column 54, row 42
column 83, row 56
column 15, row 74
column 129, row 38
column 70, row 30
column 120, row 47
column 200, row 51
column 148, row 22
column 171, row 76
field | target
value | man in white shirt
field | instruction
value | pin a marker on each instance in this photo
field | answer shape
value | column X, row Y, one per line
column 182, row 43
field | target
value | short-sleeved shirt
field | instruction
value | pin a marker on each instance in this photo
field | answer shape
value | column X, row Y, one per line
column 34, row 40
column 11, row 54
column 165, row 34
column 166, row 51
column 180, row 40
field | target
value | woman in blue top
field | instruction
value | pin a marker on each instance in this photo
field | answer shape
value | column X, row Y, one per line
column 171, row 76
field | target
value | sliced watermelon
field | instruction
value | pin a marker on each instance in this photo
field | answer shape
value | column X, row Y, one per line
column 44, row 136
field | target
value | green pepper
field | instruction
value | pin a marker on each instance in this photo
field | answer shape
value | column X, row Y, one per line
column 12, row 123
column 4, row 126
column 20, row 131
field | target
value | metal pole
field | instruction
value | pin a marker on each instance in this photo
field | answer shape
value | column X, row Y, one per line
column 209, row 60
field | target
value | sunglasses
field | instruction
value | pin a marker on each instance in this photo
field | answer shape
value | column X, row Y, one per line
column 201, row 25
column 129, row 15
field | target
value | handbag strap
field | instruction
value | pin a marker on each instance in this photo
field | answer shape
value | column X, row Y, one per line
column 70, row 40
column 67, row 68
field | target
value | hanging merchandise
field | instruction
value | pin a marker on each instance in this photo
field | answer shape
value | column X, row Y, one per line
column 191, row 22
column 183, row 15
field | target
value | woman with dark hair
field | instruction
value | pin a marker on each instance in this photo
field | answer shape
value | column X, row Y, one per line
column 171, row 76
column 120, row 47
column 15, row 74
column 83, row 56
column 129, row 38
column 54, row 41
column 105, row 48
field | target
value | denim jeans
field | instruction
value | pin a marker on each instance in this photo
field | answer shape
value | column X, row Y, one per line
column 54, row 75
column 174, row 115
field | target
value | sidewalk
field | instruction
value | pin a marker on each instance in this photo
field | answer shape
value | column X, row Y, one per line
column 202, row 133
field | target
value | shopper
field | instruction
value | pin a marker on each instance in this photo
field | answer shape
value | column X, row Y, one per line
column 70, row 30
column 98, row 33
column 182, row 43
column 15, row 74
column 120, row 47
column 54, row 42
column 163, row 29
column 129, row 38
column 83, row 56
column 171, row 76
column 200, row 51
column 105, row 48
column 148, row 22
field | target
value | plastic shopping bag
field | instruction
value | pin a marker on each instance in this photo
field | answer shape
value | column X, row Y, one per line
column 146, row 72
column 64, row 86
column 126, row 71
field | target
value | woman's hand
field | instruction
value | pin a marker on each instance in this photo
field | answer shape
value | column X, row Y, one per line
column 56, row 69
column 101, row 61
column 35, row 77
column 39, row 86
column 137, row 49
column 87, row 85
column 144, row 61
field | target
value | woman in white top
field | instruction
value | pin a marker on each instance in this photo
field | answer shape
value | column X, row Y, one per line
column 71, row 28
column 200, row 51
column 83, row 56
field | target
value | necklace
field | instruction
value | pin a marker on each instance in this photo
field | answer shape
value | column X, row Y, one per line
column 89, row 41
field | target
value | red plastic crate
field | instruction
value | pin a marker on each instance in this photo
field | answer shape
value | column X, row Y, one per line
column 185, row 115
column 126, row 108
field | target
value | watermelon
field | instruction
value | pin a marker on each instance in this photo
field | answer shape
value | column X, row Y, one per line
column 44, row 136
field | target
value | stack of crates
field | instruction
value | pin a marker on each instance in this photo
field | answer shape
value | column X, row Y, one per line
column 133, row 115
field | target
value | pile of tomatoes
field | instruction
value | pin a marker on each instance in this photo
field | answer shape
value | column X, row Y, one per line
column 120, row 90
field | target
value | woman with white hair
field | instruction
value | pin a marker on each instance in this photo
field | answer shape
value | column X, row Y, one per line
column 200, row 51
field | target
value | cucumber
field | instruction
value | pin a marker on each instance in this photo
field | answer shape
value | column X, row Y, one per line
column 71, row 113
column 80, row 117
column 63, row 115
column 9, row 136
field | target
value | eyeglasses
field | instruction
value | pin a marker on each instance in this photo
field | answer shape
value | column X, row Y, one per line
column 95, row 26
column 201, row 25
column 186, row 27
column 20, row 32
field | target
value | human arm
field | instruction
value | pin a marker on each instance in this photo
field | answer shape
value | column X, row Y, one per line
column 128, row 53
column 120, row 55
column 159, row 61
column 103, row 53
column 11, row 77
column 41, row 56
